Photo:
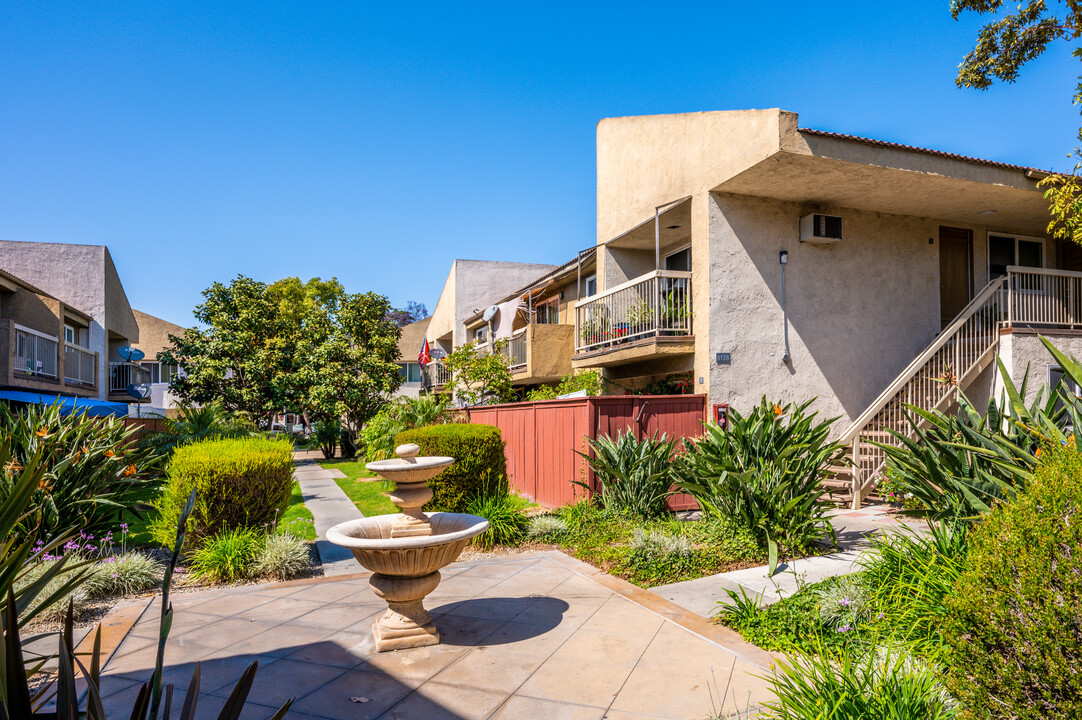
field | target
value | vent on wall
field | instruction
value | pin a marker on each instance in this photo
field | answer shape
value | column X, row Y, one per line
column 815, row 228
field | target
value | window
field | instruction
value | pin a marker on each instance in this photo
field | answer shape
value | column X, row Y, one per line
column 591, row 286
column 410, row 372
column 70, row 334
column 679, row 260
column 160, row 372
column 480, row 335
column 548, row 312
column 1005, row 250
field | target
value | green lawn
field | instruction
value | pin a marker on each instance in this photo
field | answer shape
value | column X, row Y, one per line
column 367, row 496
column 298, row 517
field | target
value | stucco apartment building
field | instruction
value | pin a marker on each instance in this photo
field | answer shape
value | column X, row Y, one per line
column 769, row 259
column 64, row 317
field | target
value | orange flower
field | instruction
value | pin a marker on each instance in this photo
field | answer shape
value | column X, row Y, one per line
column 129, row 471
column 777, row 410
column 109, row 453
column 1038, row 453
column 42, row 432
column 12, row 467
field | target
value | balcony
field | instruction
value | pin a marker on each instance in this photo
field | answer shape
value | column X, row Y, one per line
column 435, row 375
column 80, row 365
column 647, row 316
column 35, row 353
column 123, row 374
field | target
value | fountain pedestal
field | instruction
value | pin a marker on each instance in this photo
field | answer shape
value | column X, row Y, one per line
column 405, row 551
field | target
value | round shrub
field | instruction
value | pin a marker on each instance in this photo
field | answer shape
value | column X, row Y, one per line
column 227, row 557
column 480, row 468
column 241, row 483
column 1014, row 624
column 282, row 557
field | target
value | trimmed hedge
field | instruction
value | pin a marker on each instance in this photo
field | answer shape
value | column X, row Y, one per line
column 1014, row 626
column 480, row 467
column 242, row 483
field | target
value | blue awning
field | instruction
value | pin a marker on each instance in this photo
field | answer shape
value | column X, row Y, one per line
column 68, row 405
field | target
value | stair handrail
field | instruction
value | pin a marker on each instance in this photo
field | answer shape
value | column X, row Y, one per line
column 919, row 362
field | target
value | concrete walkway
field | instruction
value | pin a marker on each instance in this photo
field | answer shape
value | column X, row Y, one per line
column 526, row 637
column 329, row 506
column 854, row 529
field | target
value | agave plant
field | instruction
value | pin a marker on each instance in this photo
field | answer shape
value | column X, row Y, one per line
column 958, row 465
column 766, row 473
column 634, row 474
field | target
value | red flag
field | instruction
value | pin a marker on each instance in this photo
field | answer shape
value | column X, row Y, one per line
column 423, row 357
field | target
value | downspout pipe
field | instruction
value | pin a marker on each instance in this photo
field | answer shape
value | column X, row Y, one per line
column 783, row 259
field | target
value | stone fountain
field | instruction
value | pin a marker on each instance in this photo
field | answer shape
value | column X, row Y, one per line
column 406, row 551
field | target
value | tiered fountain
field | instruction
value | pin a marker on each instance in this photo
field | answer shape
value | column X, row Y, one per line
column 406, row 551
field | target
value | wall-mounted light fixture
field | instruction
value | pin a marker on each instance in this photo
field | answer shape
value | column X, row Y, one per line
column 783, row 257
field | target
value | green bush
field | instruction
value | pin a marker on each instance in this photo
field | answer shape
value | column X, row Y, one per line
column 590, row 381
column 766, row 474
column 908, row 577
column 857, row 685
column 282, row 556
column 228, row 556
column 634, row 474
column 543, row 527
column 378, row 434
column 506, row 522
column 1014, row 644
column 93, row 469
column 480, row 467
column 243, row 483
column 326, row 434
column 124, row 574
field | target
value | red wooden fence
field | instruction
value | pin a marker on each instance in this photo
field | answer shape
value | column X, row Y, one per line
column 541, row 437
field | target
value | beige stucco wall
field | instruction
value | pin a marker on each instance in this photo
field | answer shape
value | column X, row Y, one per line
column 859, row 310
column 473, row 285
column 154, row 334
column 1023, row 351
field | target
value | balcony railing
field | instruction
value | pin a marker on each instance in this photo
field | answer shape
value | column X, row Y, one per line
column 123, row 374
column 654, row 305
column 35, row 353
column 516, row 350
column 436, row 374
column 80, row 365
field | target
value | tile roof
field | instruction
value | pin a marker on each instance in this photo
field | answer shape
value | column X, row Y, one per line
column 912, row 148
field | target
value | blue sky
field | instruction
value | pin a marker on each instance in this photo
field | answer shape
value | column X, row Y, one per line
column 378, row 142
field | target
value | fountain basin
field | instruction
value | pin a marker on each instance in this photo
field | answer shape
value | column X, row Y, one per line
column 370, row 541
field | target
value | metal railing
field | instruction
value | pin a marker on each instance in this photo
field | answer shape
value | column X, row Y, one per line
column 35, row 353
column 1033, row 297
column 516, row 350
column 436, row 374
column 123, row 374
column 656, row 304
column 1040, row 297
column 80, row 365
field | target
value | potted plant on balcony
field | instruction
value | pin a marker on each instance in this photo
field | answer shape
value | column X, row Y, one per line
column 640, row 318
column 674, row 314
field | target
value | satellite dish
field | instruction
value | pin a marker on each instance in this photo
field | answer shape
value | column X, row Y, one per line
column 130, row 354
column 139, row 392
column 490, row 312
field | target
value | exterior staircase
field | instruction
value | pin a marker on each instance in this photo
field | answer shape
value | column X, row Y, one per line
column 965, row 348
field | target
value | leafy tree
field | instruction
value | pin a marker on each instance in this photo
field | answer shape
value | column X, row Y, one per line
column 242, row 355
column 413, row 312
column 1003, row 47
column 480, row 379
column 346, row 358
column 309, row 346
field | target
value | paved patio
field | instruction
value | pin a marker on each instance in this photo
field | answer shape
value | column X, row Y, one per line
column 539, row 636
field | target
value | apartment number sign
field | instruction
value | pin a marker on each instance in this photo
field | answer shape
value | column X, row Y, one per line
column 724, row 358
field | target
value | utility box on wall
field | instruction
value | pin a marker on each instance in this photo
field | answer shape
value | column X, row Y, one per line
column 816, row 228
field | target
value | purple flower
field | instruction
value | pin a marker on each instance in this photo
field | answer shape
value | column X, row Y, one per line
column 124, row 527
column 844, row 602
column 115, row 575
column 844, row 629
column 879, row 616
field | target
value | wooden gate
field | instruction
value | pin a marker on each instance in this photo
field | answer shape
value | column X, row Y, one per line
column 541, row 437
